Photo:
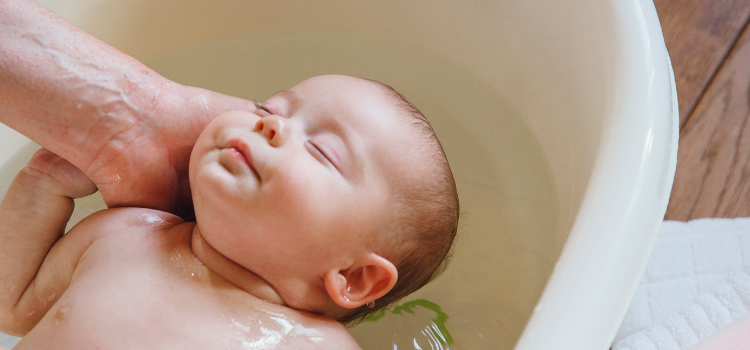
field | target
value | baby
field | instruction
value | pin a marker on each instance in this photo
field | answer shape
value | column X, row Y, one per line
column 332, row 200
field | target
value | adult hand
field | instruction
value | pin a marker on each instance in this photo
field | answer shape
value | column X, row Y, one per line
column 129, row 129
column 144, row 162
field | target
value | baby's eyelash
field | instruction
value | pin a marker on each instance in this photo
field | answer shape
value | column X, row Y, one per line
column 320, row 151
column 260, row 106
column 317, row 149
column 323, row 154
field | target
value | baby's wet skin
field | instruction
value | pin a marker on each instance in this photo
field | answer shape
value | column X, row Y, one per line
column 141, row 286
column 292, row 212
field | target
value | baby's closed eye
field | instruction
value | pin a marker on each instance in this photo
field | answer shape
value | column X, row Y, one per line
column 262, row 109
column 320, row 153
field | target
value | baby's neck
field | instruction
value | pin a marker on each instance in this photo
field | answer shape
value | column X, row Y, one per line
column 231, row 271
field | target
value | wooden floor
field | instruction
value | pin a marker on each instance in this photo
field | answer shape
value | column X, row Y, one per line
column 709, row 44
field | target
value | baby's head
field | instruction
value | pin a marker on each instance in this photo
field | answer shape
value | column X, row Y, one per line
column 335, row 192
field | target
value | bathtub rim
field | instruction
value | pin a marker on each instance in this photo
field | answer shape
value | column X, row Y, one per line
column 604, row 257
column 581, row 231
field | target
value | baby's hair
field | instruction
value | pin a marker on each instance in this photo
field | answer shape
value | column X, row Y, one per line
column 426, row 220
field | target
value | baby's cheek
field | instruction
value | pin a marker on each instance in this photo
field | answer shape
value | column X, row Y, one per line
column 212, row 130
column 304, row 206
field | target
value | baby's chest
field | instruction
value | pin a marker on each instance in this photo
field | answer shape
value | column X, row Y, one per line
column 144, row 312
column 176, row 312
column 160, row 296
column 134, row 302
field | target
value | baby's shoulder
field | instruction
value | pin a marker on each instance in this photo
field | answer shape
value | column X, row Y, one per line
column 314, row 331
column 125, row 226
column 109, row 220
column 126, row 236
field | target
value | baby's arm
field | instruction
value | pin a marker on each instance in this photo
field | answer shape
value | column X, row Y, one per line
column 33, row 215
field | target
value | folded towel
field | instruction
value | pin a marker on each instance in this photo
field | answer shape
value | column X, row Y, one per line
column 8, row 341
column 697, row 281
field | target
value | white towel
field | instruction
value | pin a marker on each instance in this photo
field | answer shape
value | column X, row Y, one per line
column 8, row 341
column 697, row 281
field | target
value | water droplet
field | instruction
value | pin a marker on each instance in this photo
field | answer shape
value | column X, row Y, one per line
column 151, row 219
column 239, row 326
column 115, row 177
column 79, row 104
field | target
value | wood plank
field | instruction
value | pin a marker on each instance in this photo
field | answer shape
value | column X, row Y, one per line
column 698, row 35
column 713, row 161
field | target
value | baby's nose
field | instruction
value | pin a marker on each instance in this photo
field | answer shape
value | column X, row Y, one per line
column 274, row 128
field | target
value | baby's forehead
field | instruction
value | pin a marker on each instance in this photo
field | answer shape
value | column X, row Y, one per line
column 380, row 125
column 401, row 153
column 348, row 89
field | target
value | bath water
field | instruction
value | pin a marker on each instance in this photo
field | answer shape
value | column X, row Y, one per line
column 505, row 249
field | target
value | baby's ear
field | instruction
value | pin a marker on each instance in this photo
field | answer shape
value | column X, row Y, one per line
column 366, row 280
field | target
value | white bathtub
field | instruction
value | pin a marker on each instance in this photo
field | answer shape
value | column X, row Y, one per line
column 559, row 119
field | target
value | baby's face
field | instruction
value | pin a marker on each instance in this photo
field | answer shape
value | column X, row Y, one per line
column 302, row 184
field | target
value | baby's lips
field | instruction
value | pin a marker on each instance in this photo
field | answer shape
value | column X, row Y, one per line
column 243, row 149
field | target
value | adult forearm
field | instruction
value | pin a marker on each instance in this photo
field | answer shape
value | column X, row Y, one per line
column 65, row 89
column 129, row 129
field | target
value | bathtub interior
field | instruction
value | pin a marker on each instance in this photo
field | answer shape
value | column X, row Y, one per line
column 517, row 91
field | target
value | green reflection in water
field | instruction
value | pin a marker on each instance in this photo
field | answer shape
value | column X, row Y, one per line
column 438, row 329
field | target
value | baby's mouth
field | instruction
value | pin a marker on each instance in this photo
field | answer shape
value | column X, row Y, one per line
column 239, row 150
